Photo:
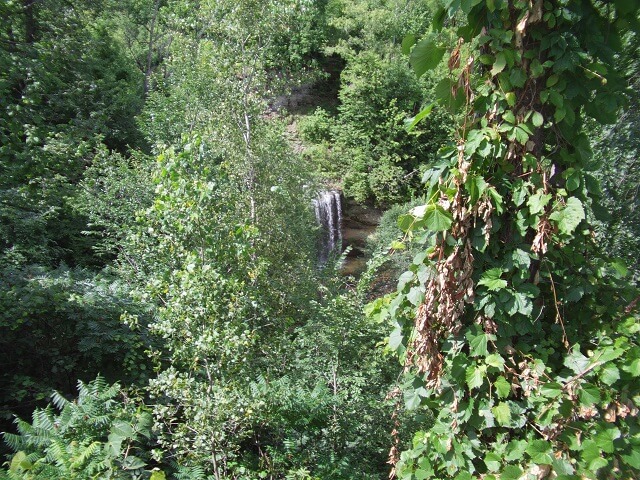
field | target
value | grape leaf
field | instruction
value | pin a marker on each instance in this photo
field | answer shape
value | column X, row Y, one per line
column 502, row 413
column 491, row 279
column 503, row 387
column 569, row 217
column 474, row 376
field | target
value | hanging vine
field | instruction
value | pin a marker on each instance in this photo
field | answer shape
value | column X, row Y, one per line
column 513, row 328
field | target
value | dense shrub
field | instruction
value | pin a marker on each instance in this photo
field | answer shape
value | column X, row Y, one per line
column 103, row 433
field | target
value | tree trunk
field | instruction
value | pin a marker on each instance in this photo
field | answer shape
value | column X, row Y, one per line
column 30, row 27
column 152, row 32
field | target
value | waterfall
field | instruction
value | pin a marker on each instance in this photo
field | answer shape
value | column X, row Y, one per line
column 329, row 217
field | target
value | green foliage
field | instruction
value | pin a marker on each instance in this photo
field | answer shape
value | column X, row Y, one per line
column 513, row 328
column 251, row 353
column 101, row 434
column 324, row 408
column 65, row 87
column 256, row 375
column 366, row 145
column 299, row 41
column 60, row 325
column 389, row 234
column 380, row 158
column 373, row 25
column 195, row 256
column 225, row 237
column 113, row 191
column 68, row 90
column 318, row 127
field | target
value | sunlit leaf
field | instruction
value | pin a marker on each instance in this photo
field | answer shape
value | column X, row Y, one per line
column 474, row 376
column 492, row 279
column 411, row 123
column 502, row 413
column 503, row 387
column 568, row 217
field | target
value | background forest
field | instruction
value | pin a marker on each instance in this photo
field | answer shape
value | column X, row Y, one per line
column 162, row 311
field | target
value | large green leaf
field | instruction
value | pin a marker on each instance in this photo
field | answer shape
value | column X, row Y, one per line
column 405, row 278
column 411, row 123
column 449, row 95
column 426, row 55
column 407, row 42
column 503, row 387
column 609, row 374
column 493, row 461
column 499, row 64
column 537, row 119
column 395, row 339
column 605, row 438
column 633, row 367
column 19, row 462
column 569, row 217
column 132, row 463
column 538, row 201
column 502, row 413
column 589, row 395
column 475, row 376
column 551, row 390
column 540, row 452
column 511, row 472
column 478, row 341
column 415, row 296
column 576, row 361
column 518, row 303
column 491, row 279
column 412, row 397
column 495, row 360
column 436, row 218
column 633, row 458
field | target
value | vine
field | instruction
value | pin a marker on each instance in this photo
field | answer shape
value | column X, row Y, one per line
column 513, row 328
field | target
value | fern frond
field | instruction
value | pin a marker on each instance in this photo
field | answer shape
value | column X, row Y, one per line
column 112, row 391
column 34, row 457
column 57, row 453
column 47, row 471
column 15, row 442
column 83, row 391
column 84, row 456
column 65, row 417
column 190, row 473
column 24, row 428
column 98, row 385
column 40, row 437
column 99, row 420
column 43, row 419
column 59, row 401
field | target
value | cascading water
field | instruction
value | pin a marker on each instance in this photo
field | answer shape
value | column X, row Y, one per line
column 329, row 216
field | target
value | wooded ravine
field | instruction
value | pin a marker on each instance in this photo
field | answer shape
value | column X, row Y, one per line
column 319, row 239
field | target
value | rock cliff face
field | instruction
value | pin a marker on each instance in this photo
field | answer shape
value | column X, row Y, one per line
column 358, row 222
